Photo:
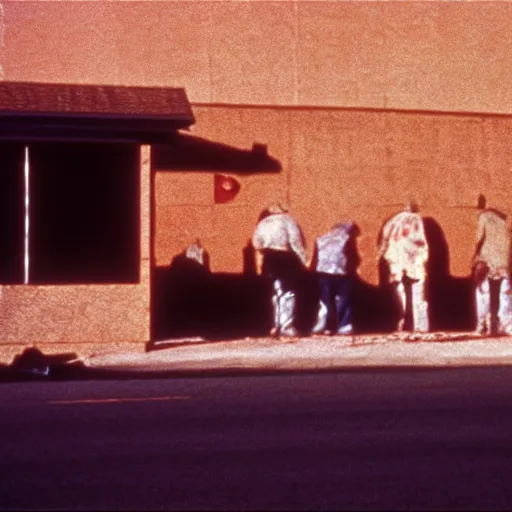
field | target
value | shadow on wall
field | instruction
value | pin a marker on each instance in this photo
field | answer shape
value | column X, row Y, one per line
column 187, row 152
column 451, row 299
column 190, row 301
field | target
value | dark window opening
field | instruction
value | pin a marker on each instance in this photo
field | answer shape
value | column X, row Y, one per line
column 84, row 213
column 11, row 213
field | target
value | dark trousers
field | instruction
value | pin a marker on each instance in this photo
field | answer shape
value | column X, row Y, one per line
column 337, row 291
column 284, row 266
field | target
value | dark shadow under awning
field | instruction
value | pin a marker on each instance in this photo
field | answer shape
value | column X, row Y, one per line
column 94, row 112
column 190, row 153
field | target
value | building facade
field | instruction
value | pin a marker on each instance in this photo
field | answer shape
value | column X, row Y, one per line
column 363, row 104
column 76, row 186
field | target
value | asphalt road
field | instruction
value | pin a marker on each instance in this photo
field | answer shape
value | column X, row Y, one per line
column 422, row 440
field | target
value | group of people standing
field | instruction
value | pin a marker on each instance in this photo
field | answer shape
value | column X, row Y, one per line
column 281, row 256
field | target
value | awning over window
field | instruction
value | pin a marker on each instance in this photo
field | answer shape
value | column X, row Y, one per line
column 97, row 112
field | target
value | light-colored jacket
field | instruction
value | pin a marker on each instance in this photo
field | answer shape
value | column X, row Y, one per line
column 404, row 246
column 279, row 232
column 330, row 256
column 493, row 243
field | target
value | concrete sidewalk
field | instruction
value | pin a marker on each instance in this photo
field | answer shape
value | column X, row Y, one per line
column 267, row 354
column 311, row 353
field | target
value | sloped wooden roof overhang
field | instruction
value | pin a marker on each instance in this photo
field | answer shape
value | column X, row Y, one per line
column 46, row 111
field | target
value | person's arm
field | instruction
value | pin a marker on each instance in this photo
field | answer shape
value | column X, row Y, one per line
column 314, row 259
column 259, row 261
column 296, row 241
column 480, row 237
column 352, row 255
column 384, row 238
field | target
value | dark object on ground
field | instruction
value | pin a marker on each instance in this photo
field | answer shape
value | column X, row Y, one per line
column 32, row 363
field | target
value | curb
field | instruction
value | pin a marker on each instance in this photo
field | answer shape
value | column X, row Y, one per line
column 267, row 356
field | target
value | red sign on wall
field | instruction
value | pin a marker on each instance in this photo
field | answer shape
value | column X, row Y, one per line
column 225, row 188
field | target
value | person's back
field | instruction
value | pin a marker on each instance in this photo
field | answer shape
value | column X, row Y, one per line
column 272, row 233
column 404, row 246
column 494, row 242
column 279, row 232
column 331, row 257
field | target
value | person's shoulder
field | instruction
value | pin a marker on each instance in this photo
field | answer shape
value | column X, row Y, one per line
column 496, row 213
column 397, row 217
column 288, row 219
column 261, row 224
column 492, row 216
column 269, row 219
column 402, row 215
column 322, row 239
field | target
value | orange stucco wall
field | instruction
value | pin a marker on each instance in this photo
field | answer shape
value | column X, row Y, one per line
column 362, row 102
column 433, row 55
column 84, row 313
column 341, row 164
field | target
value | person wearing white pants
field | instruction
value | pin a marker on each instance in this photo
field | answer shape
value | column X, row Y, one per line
column 280, row 256
column 491, row 271
column 419, row 305
column 283, row 303
column 403, row 246
column 502, row 323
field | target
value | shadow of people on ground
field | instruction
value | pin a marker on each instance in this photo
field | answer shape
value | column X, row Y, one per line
column 33, row 364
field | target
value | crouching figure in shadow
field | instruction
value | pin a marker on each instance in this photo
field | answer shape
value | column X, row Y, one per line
column 280, row 256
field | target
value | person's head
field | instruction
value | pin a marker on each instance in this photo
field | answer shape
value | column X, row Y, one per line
column 273, row 209
column 277, row 208
column 351, row 227
column 412, row 206
column 481, row 202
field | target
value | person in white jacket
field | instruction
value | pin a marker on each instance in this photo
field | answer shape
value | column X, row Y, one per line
column 281, row 256
column 404, row 247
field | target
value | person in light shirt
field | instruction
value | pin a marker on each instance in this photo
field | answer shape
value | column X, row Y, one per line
column 491, row 271
column 404, row 247
column 335, row 261
column 281, row 256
